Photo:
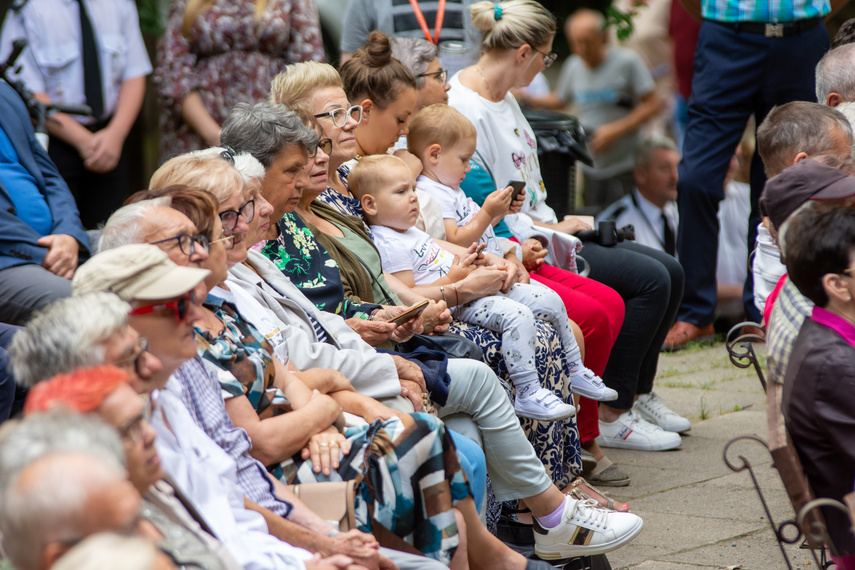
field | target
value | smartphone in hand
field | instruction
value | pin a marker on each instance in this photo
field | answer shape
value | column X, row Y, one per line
column 409, row 314
column 519, row 189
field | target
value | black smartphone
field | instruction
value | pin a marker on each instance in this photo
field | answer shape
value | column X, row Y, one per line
column 519, row 188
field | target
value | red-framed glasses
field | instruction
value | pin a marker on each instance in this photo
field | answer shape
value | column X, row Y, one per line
column 179, row 307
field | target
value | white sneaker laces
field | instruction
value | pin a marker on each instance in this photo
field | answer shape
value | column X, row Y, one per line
column 590, row 514
column 640, row 424
column 655, row 406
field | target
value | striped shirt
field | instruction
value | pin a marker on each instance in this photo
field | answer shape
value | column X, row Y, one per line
column 786, row 320
column 771, row 11
column 202, row 397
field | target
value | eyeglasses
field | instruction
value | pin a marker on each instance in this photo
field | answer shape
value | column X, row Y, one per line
column 227, row 238
column 187, row 243
column 230, row 217
column 179, row 307
column 339, row 116
column 441, row 75
column 228, row 155
column 133, row 429
column 137, row 357
column 324, row 145
column 548, row 58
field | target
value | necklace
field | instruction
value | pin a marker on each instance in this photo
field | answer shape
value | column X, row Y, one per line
column 487, row 83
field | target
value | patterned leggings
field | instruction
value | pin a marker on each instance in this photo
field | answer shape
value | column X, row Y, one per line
column 513, row 315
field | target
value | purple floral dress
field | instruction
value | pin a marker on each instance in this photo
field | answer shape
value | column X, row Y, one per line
column 228, row 57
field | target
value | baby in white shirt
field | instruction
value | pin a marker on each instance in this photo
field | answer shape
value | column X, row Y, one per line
column 385, row 186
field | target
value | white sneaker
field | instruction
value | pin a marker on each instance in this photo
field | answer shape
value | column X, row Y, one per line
column 632, row 432
column 652, row 408
column 585, row 383
column 543, row 405
column 586, row 529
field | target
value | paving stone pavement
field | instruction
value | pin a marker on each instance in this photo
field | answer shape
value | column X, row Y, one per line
column 697, row 512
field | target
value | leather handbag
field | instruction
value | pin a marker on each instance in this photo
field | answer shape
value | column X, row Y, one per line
column 334, row 501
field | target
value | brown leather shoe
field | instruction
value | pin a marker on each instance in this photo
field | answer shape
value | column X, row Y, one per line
column 682, row 333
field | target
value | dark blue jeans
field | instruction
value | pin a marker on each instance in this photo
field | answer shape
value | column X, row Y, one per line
column 737, row 74
column 650, row 282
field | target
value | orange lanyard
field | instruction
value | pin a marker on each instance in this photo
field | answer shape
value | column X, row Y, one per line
column 440, row 15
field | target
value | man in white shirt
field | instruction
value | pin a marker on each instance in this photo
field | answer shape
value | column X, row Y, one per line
column 651, row 207
column 88, row 52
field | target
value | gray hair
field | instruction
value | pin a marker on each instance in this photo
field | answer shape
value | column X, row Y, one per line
column 644, row 149
column 68, row 334
column 264, row 130
column 416, row 54
column 847, row 108
column 39, row 434
column 65, row 456
column 247, row 165
column 798, row 126
column 47, row 502
column 107, row 551
column 123, row 227
column 835, row 73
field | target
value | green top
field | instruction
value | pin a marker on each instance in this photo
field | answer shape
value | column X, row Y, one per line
column 368, row 254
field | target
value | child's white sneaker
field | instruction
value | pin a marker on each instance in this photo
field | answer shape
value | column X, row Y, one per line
column 585, row 383
column 543, row 405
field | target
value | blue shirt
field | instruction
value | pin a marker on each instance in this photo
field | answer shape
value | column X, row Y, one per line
column 29, row 203
column 771, row 11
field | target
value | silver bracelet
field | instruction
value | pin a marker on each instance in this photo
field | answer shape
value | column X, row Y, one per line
column 442, row 290
column 334, row 532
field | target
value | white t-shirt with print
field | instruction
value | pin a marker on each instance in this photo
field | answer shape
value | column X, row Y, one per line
column 412, row 250
column 507, row 149
column 455, row 204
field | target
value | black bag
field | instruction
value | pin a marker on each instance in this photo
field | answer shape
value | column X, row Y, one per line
column 454, row 345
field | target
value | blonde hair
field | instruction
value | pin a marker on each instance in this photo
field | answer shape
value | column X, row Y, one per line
column 203, row 169
column 438, row 124
column 196, row 8
column 294, row 86
column 509, row 25
column 370, row 170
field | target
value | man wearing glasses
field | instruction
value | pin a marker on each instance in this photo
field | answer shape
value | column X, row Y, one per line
column 167, row 324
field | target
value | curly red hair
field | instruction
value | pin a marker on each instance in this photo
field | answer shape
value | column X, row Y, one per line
column 81, row 391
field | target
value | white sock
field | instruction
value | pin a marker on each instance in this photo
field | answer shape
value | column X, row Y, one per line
column 525, row 389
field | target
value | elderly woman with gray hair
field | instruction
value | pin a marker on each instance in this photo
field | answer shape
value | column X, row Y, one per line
column 420, row 57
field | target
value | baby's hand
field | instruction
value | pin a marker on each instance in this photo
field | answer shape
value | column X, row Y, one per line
column 461, row 269
column 499, row 202
column 533, row 254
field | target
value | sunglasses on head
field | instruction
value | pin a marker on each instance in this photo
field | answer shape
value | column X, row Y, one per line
column 179, row 307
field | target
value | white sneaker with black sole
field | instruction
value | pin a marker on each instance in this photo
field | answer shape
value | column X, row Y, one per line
column 586, row 529
column 544, row 406
column 652, row 408
column 630, row 431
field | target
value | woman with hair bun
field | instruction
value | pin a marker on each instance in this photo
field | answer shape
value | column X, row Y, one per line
column 386, row 90
column 516, row 46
